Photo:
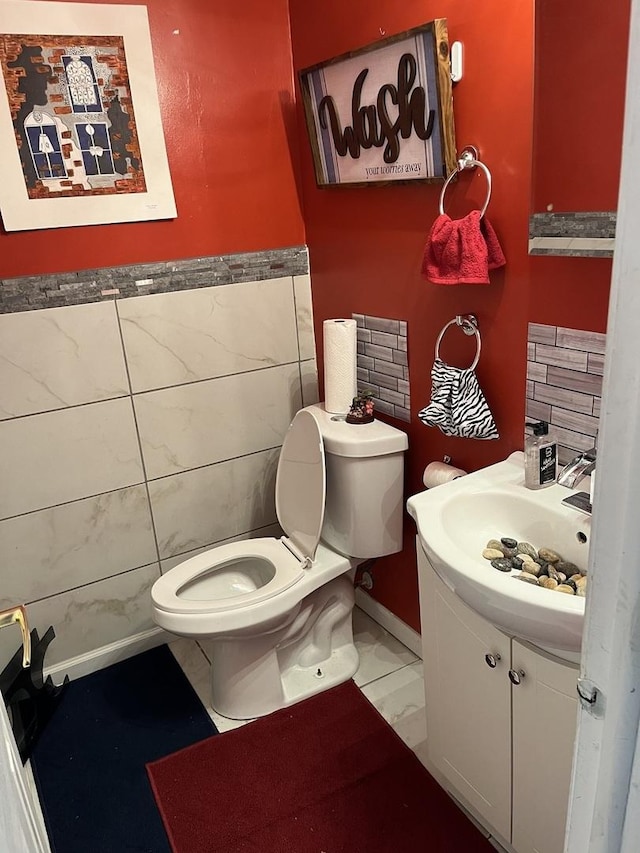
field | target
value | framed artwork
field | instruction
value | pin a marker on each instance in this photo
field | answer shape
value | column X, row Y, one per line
column 383, row 113
column 80, row 124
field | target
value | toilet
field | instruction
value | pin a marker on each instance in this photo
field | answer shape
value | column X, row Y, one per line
column 278, row 612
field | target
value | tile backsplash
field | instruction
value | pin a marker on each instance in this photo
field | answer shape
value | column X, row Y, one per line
column 564, row 384
column 55, row 290
column 383, row 364
column 581, row 234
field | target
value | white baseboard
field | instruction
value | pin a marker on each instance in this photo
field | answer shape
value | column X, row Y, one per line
column 106, row 655
column 390, row 622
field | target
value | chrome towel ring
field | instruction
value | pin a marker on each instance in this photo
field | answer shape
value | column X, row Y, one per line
column 469, row 325
column 468, row 160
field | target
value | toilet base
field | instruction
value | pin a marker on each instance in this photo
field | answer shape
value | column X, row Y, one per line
column 313, row 651
column 302, row 682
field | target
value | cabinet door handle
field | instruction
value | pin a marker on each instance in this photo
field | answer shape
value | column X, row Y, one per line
column 515, row 677
column 492, row 660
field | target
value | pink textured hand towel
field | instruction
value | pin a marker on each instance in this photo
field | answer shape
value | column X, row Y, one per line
column 461, row 251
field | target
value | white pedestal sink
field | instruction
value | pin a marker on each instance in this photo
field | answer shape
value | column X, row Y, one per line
column 456, row 520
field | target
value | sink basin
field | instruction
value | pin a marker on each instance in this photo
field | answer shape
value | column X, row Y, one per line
column 456, row 520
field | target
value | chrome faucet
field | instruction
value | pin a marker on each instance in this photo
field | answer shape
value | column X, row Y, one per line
column 580, row 467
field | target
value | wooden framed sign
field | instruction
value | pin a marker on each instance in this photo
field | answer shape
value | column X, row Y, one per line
column 383, row 113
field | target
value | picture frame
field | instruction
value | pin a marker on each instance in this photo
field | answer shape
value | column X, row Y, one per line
column 383, row 113
column 80, row 124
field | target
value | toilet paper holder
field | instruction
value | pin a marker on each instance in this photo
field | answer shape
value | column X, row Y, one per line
column 438, row 473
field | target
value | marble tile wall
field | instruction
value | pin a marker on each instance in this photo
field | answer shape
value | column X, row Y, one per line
column 564, row 384
column 133, row 433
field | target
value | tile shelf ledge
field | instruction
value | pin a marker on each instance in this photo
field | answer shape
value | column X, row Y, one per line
column 583, row 234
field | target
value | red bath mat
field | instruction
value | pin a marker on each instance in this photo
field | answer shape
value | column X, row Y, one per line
column 327, row 775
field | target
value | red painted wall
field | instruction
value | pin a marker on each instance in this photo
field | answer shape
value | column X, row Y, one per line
column 581, row 66
column 226, row 97
column 570, row 292
column 366, row 244
column 581, row 59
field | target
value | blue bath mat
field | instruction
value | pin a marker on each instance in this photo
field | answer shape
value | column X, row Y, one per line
column 89, row 762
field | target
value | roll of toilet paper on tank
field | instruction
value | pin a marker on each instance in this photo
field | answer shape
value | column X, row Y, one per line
column 340, row 356
column 437, row 473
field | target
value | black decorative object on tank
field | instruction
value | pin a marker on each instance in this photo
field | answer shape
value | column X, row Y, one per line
column 361, row 411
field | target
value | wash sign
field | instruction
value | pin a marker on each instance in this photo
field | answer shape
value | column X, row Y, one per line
column 383, row 113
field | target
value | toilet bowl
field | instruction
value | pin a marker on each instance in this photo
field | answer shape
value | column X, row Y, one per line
column 278, row 611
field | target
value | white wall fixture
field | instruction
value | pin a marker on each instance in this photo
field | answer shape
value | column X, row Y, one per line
column 456, row 62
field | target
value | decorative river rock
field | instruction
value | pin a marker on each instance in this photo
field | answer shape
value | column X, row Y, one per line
column 492, row 554
column 503, row 565
column 543, row 567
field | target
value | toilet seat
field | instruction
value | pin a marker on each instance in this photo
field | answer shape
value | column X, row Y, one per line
column 287, row 570
column 277, row 563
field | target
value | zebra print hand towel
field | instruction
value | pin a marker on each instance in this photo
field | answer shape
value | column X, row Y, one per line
column 458, row 406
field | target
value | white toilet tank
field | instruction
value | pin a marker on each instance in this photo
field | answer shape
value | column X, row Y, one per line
column 365, row 479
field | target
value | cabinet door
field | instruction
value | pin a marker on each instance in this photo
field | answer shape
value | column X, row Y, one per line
column 467, row 701
column 545, row 710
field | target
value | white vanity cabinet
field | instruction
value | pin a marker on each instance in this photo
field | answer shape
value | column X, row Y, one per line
column 504, row 749
column 544, row 717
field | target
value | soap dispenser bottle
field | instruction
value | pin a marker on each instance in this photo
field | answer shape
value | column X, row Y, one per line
column 540, row 453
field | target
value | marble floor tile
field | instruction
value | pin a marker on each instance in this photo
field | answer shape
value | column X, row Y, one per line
column 380, row 652
column 224, row 724
column 421, row 753
column 399, row 697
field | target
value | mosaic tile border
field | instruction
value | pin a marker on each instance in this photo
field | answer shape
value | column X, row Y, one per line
column 30, row 293
column 588, row 224
column 588, row 234
column 565, row 370
column 383, row 365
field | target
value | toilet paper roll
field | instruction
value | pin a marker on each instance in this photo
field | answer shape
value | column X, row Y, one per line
column 340, row 356
column 437, row 473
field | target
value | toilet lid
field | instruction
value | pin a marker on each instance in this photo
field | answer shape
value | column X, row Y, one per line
column 301, row 483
